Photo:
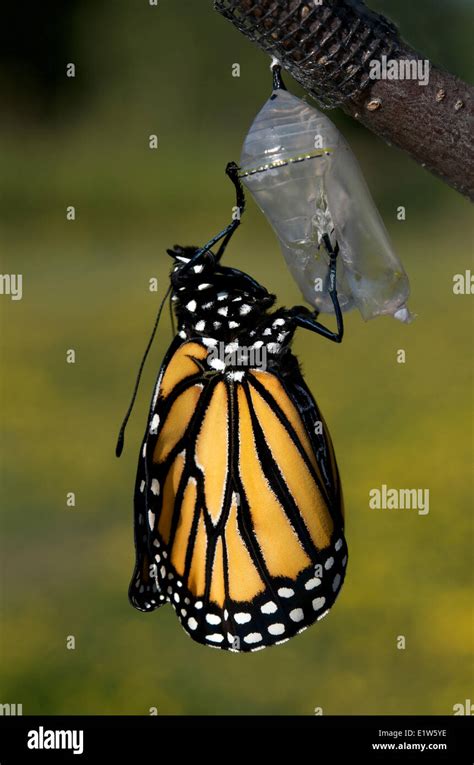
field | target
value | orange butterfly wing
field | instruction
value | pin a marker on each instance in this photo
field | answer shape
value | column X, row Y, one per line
column 238, row 511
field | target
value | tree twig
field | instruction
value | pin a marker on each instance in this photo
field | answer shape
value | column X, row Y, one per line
column 329, row 47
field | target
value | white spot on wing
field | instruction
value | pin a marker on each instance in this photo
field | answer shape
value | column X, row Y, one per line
column 253, row 637
column 269, row 608
column 242, row 618
column 297, row 615
column 213, row 619
column 276, row 629
column 215, row 638
column 154, row 424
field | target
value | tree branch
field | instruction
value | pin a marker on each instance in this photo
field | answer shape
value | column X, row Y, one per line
column 328, row 48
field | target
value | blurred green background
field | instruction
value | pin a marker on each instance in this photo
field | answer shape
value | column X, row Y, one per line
column 65, row 571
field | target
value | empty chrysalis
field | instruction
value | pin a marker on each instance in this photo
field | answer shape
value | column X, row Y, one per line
column 306, row 180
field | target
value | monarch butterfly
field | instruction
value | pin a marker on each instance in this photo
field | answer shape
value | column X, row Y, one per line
column 238, row 508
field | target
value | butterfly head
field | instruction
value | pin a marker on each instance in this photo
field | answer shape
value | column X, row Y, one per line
column 182, row 273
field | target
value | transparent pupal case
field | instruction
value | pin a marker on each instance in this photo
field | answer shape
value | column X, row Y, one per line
column 306, row 180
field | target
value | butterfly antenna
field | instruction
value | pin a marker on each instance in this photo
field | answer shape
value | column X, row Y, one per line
column 173, row 327
column 121, row 436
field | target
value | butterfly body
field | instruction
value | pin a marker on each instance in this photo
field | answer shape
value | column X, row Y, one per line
column 238, row 506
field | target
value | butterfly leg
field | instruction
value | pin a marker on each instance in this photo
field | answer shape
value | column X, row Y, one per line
column 308, row 319
column 232, row 171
